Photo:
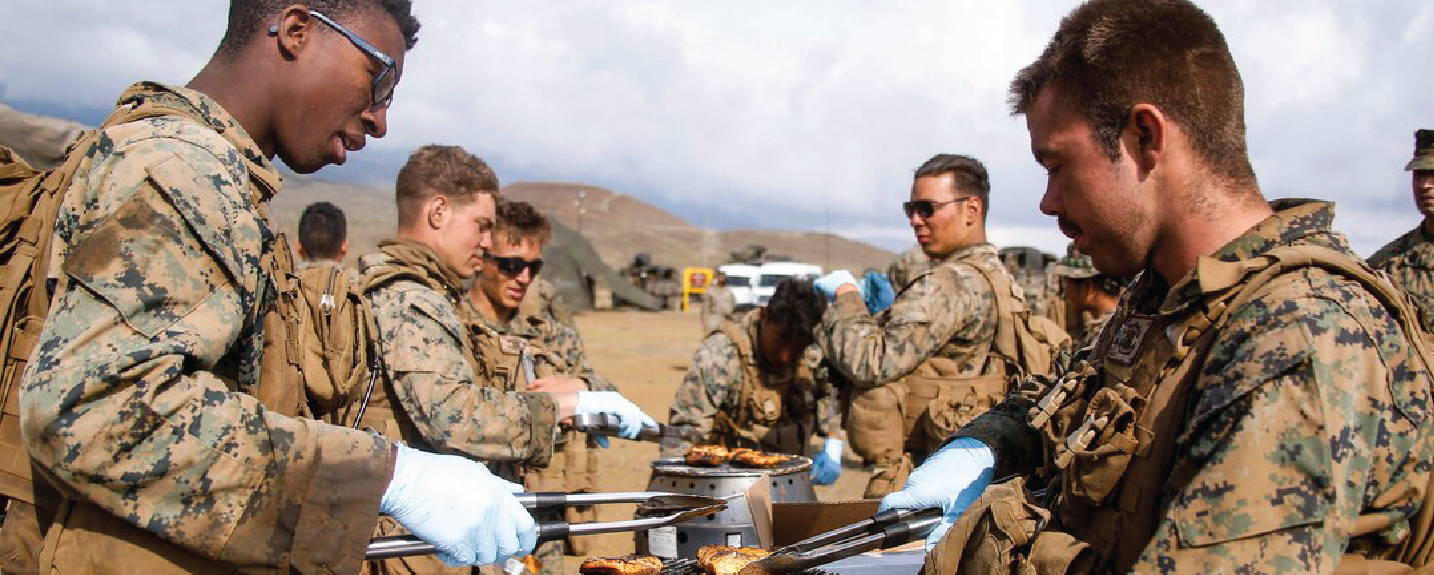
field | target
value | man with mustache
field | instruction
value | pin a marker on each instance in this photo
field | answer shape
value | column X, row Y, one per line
column 1409, row 260
column 928, row 363
column 1259, row 402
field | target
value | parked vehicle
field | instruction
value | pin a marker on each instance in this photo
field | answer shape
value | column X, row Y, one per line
column 741, row 280
column 752, row 285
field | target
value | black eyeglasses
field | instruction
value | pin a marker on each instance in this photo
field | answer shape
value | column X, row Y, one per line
column 926, row 208
column 386, row 80
column 514, row 266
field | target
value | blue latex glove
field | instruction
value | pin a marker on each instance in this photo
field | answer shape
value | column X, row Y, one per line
column 826, row 466
column 829, row 283
column 952, row 478
column 876, row 289
column 629, row 416
column 459, row 506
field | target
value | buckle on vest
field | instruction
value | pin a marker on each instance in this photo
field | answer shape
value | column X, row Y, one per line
column 1079, row 440
column 1053, row 400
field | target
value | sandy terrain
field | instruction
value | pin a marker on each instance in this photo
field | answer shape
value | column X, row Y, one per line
column 646, row 355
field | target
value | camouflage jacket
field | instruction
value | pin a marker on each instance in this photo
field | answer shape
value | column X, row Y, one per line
column 1409, row 261
column 1306, row 425
column 718, row 307
column 911, row 263
column 547, row 302
column 948, row 313
column 556, row 350
column 715, row 379
column 430, row 361
column 139, row 398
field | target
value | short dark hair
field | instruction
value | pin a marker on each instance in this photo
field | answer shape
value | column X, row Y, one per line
column 435, row 170
column 797, row 307
column 518, row 221
column 969, row 175
column 322, row 231
column 1110, row 55
column 247, row 16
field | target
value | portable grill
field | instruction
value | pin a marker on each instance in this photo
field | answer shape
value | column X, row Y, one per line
column 733, row 526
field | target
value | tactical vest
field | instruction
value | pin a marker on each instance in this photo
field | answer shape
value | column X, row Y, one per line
column 916, row 413
column 1117, row 454
column 510, row 362
column 775, row 411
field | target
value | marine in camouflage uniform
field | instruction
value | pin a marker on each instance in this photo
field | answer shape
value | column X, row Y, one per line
column 910, row 264
column 433, row 394
column 140, row 399
column 1268, row 469
column 437, row 399
column 1409, row 260
column 1090, row 297
column 718, row 304
column 772, row 396
column 521, row 349
column 934, row 345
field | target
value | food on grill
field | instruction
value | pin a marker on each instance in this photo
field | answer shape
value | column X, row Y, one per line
column 714, row 455
column 627, row 565
column 758, row 459
column 724, row 560
column 707, row 455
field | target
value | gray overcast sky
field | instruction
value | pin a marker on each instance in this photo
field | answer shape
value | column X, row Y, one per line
column 753, row 113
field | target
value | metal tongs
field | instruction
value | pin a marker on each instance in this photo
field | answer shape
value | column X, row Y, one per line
column 674, row 507
column 886, row 529
column 609, row 424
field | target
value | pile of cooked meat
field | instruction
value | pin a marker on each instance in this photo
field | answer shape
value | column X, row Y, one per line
column 714, row 455
column 711, row 559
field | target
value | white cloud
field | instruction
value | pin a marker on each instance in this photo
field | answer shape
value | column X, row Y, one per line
column 773, row 113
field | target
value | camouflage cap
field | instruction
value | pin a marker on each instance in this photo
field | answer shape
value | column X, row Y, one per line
column 1423, row 151
column 1075, row 265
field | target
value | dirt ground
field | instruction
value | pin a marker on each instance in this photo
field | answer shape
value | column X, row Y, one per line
column 646, row 354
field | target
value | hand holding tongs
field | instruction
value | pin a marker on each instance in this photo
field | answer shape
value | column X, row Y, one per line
column 886, row 529
column 609, row 425
column 678, row 506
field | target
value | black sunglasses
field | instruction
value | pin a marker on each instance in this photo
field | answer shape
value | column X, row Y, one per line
column 514, row 266
column 386, row 80
column 926, row 208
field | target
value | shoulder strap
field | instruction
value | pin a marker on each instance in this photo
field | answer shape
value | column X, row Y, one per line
column 1008, row 311
column 736, row 332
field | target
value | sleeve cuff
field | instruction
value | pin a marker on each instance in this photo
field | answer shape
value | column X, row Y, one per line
column 324, row 504
column 1018, row 447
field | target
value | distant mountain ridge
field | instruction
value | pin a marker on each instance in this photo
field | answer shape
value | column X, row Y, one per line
column 618, row 225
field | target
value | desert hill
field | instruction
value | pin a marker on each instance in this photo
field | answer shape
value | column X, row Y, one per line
column 618, row 225
column 621, row 226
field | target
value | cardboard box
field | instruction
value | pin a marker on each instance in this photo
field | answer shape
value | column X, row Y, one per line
column 793, row 522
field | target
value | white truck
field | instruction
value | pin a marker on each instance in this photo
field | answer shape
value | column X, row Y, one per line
column 753, row 284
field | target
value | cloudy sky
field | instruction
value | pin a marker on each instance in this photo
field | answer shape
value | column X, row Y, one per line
column 753, row 113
